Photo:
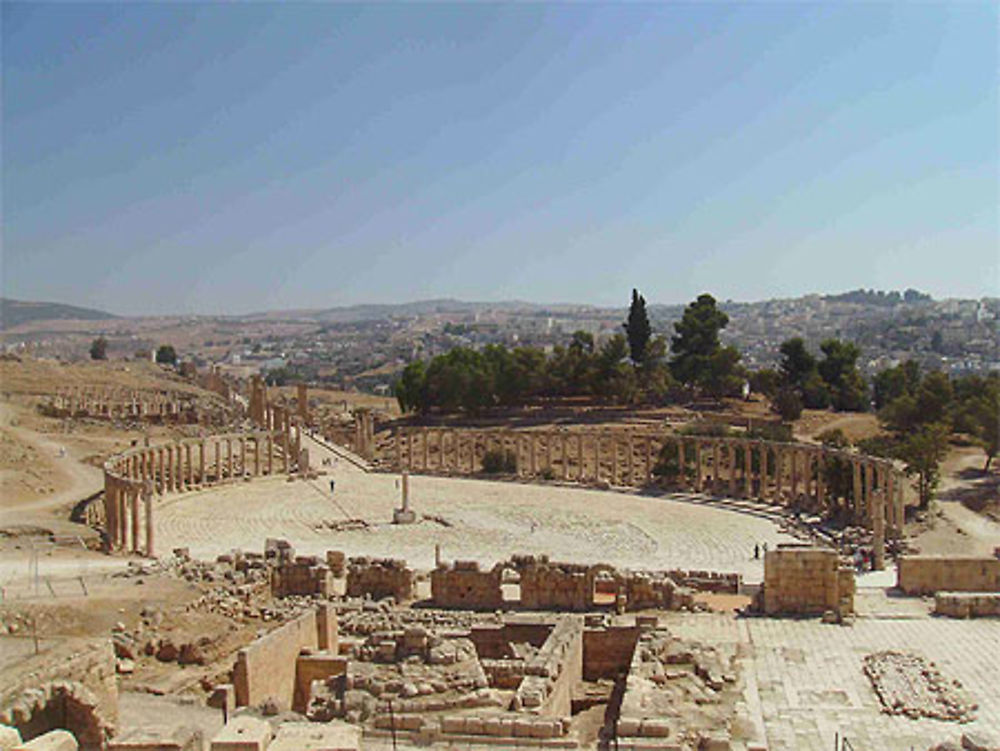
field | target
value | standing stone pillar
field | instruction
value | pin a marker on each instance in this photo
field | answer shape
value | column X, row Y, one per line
column 699, row 481
column 878, row 520
column 190, row 465
column 564, row 456
column 427, row 450
column 731, row 454
column 147, row 502
column 597, row 456
column 764, row 490
column 649, row 460
column 779, row 473
column 868, row 477
column 793, row 457
column 747, row 470
column 171, row 472
column 285, row 463
column 110, row 512
column 133, row 495
column 270, row 454
column 123, row 523
column 858, row 501
column 243, row 456
column 716, row 466
column 630, row 461
column 218, row 460
column 681, row 465
column 256, row 455
column 397, row 440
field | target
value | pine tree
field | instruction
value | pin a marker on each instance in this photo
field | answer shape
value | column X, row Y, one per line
column 637, row 328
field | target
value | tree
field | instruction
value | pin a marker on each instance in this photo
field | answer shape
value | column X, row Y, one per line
column 923, row 450
column 637, row 328
column 796, row 363
column 99, row 349
column 166, row 355
column 411, row 388
column 976, row 411
column 765, row 381
column 788, row 404
column 696, row 348
column 893, row 383
column 839, row 370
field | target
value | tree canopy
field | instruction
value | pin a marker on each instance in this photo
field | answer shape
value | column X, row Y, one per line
column 637, row 328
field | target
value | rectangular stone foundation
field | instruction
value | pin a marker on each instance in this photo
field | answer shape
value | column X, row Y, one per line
column 927, row 574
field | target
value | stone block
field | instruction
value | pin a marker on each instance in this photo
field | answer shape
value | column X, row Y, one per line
column 10, row 738
column 243, row 733
column 157, row 738
column 310, row 736
column 54, row 740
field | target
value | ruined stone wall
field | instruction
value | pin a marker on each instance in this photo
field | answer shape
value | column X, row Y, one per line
column 380, row 577
column 807, row 581
column 927, row 574
column 465, row 586
column 551, row 674
column 967, row 604
column 73, row 684
column 556, row 586
column 304, row 576
column 267, row 667
column 607, row 652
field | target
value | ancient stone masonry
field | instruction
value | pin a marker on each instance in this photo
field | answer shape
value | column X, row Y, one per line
column 967, row 604
column 306, row 575
column 380, row 577
column 121, row 403
column 73, row 687
column 807, row 581
column 780, row 473
column 551, row 673
column 550, row 585
column 134, row 477
column 927, row 574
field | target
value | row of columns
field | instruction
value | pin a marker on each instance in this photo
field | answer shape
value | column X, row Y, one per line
column 774, row 472
column 184, row 466
column 128, row 516
column 112, row 404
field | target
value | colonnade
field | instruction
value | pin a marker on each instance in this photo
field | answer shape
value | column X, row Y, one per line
column 183, row 466
column 120, row 403
column 781, row 473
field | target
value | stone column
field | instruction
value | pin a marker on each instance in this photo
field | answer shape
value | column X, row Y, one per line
column 649, row 459
column 243, row 456
column 110, row 512
column 779, row 474
column 867, row 477
column 256, row 455
column 133, row 495
column 202, row 450
column 218, row 460
column 565, row 456
column 858, row 499
column 123, row 523
column 699, row 481
column 716, row 466
column 270, row 454
column 731, row 454
column 190, row 465
column 231, row 460
column 747, row 470
column 550, row 452
column 764, row 490
column 630, row 463
column 597, row 456
column 427, row 450
column 147, row 500
column 878, row 519
column 794, row 456
column 285, row 462
column 616, row 473
column 682, row 465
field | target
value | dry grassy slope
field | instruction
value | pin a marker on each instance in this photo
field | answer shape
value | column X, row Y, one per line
column 42, row 377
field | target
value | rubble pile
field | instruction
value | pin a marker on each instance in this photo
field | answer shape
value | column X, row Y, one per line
column 907, row 684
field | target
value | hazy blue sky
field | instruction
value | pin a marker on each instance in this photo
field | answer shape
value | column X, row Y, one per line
column 236, row 157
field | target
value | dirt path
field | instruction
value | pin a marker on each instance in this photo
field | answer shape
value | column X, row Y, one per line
column 957, row 529
column 69, row 479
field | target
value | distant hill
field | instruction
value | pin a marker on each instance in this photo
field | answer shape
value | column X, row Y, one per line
column 15, row 312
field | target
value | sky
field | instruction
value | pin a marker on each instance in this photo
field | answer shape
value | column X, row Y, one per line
column 237, row 157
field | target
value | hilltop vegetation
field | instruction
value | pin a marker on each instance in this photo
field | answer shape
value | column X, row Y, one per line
column 16, row 312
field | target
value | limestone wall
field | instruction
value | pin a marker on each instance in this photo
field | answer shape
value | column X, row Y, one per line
column 967, row 604
column 267, row 667
column 306, row 575
column 380, row 577
column 607, row 652
column 927, row 574
column 807, row 581
column 551, row 674
column 465, row 586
